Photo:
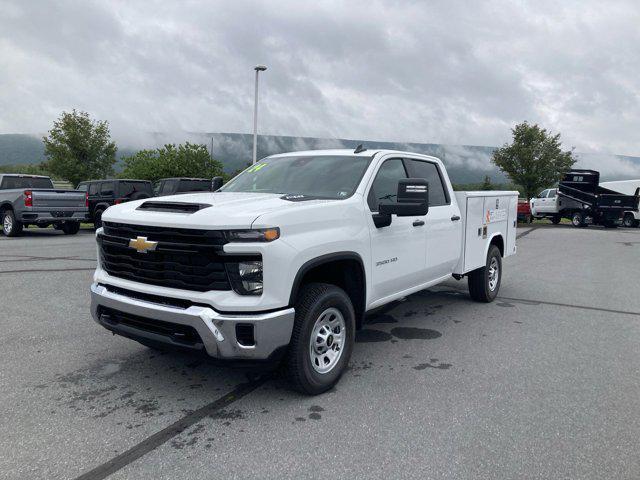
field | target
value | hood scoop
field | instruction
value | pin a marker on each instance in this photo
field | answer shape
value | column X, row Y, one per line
column 172, row 207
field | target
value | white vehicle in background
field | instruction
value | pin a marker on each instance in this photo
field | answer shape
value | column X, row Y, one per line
column 283, row 262
column 627, row 187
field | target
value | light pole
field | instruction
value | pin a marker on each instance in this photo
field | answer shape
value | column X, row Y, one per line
column 258, row 69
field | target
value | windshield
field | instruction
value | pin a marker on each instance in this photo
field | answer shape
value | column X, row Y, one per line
column 25, row 182
column 321, row 176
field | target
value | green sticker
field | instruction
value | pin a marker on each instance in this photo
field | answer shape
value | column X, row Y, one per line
column 256, row 167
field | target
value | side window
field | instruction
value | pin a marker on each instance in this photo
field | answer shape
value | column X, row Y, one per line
column 543, row 194
column 168, row 187
column 107, row 188
column 438, row 194
column 552, row 193
column 385, row 186
column 93, row 188
column 82, row 187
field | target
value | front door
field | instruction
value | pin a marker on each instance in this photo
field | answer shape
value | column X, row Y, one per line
column 398, row 252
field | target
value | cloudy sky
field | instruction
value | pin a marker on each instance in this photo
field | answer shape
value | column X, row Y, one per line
column 420, row 71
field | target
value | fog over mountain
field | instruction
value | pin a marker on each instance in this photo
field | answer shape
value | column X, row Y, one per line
column 466, row 164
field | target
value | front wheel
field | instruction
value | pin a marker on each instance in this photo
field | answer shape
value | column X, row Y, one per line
column 322, row 338
column 97, row 219
column 484, row 283
column 577, row 220
column 10, row 226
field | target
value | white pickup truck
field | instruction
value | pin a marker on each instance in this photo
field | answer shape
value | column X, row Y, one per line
column 283, row 262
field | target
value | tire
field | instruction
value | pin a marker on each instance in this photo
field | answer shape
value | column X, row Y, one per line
column 556, row 219
column 322, row 312
column 10, row 226
column 70, row 228
column 577, row 220
column 97, row 219
column 628, row 220
column 483, row 285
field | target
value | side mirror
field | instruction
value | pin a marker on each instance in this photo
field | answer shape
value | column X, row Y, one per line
column 216, row 183
column 413, row 201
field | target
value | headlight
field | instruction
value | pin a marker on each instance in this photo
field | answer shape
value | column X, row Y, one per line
column 246, row 277
column 257, row 235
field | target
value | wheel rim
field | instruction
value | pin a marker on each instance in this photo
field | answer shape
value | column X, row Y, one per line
column 327, row 340
column 7, row 223
column 494, row 273
column 576, row 220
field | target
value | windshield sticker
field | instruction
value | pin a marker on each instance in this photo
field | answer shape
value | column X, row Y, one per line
column 257, row 167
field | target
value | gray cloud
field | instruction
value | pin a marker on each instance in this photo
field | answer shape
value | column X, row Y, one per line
column 449, row 72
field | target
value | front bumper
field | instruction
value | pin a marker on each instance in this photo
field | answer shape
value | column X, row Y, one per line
column 216, row 331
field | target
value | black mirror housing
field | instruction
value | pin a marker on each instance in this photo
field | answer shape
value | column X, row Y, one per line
column 216, row 183
column 413, row 199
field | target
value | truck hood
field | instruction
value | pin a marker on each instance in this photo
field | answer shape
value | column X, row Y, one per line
column 218, row 210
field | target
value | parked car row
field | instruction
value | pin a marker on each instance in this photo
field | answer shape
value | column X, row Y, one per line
column 32, row 199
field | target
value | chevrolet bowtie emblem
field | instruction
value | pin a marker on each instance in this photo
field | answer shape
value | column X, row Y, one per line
column 142, row 245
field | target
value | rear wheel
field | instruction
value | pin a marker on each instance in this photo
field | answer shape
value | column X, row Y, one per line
column 629, row 220
column 484, row 283
column 322, row 338
column 70, row 228
column 10, row 226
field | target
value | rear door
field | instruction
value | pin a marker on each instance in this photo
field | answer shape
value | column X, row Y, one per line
column 443, row 224
column 398, row 252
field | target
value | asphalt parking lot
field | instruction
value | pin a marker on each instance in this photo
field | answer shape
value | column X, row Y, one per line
column 543, row 383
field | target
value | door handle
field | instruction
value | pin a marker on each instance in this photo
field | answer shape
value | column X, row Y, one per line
column 418, row 223
column 455, row 218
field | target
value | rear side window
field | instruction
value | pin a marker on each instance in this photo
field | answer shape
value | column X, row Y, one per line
column 107, row 188
column 93, row 188
column 83, row 187
column 127, row 189
column 168, row 187
column 9, row 183
column 194, row 186
column 385, row 187
column 552, row 193
column 438, row 194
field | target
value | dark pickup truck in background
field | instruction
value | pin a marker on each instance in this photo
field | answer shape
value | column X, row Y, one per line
column 32, row 200
column 102, row 194
column 172, row 186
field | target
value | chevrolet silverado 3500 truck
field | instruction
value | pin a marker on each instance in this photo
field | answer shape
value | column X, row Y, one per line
column 284, row 261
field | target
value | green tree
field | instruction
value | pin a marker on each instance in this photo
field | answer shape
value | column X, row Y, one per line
column 486, row 183
column 534, row 160
column 79, row 148
column 184, row 160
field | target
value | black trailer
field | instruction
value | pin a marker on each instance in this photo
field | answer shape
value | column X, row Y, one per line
column 584, row 201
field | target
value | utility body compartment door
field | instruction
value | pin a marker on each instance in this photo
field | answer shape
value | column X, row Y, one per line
column 486, row 215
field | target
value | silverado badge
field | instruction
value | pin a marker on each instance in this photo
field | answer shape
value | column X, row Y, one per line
column 142, row 245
